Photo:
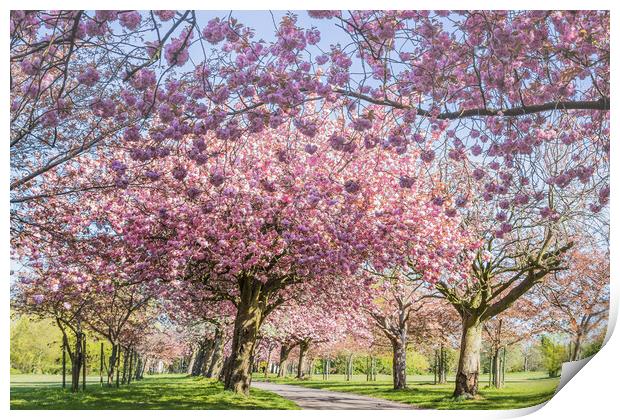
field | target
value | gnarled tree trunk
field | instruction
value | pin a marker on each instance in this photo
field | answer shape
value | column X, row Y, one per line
column 469, row 359
column 250, row 309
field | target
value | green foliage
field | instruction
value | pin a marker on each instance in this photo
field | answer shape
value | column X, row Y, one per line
column 590, row 349
column 161, row 392
column 36, row 347
column 554, row 354
column 417, row 364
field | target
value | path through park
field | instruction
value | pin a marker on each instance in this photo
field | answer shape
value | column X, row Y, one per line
column 318, row 399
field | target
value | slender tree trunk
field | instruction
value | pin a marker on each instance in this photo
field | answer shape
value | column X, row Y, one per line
column 495, row 368
column 113, row 362
column 436, row 368
column 469, row 360
column 373, row 368
column 350, row 367
column 118, row 365
column 303, row 351
column 576, row 350
column 399, row 371
column 130, row 366
column 247, row 324
column 267, row 366
column 443, row 367
column 138, row 367
column 64, row 361
column 503, row 381
column 101, row 355
column 75, row 363
column 83, row 362
column 124, row 381
column 144, row 364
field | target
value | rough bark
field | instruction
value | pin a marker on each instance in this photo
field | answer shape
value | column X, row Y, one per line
column 190, row 365
column 399, row 348
column 469, row 360
column 215, row 365
column 285, row 350
column 249, row 316
column 301, row 363
column 199, row 359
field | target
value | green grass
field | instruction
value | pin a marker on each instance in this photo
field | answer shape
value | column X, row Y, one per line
column 521, row 390
column 164, row 392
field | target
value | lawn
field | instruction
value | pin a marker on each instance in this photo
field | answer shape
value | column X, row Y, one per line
column 521, row 390
column 166, row 392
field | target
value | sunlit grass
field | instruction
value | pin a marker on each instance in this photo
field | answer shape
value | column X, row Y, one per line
column 165, row 392
column 521, row 390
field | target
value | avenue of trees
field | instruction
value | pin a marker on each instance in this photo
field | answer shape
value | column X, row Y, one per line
column 435, row 189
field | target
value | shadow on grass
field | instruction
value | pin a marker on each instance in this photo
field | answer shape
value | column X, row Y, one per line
column 519, row 393
column 180, row 393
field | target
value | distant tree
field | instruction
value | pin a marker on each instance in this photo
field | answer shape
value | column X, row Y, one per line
column 554, row 354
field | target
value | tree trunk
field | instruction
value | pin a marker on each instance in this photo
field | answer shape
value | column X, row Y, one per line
column 83, row 362
column 101, row 354
column 576, row 351
column 224, row 371
column 399, row 371
column 208, row 357
column 469, row 359
column 495, row 368
column 215, row 364
column 64, row 361
column 303, row 351
column 248, row 320
column 76, row 363
column 144, row 364
column 113, row 363
column 131, row 366
column 192, row 360
column 199, row 359
column 124, row 381
column 268, row 362
column 285, row 350
column 118, row 365
column 350, row 367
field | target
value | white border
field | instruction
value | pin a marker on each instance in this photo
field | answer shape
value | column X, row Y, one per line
column 593, row 393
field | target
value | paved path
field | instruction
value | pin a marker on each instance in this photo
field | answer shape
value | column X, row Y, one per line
column 320, row 399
